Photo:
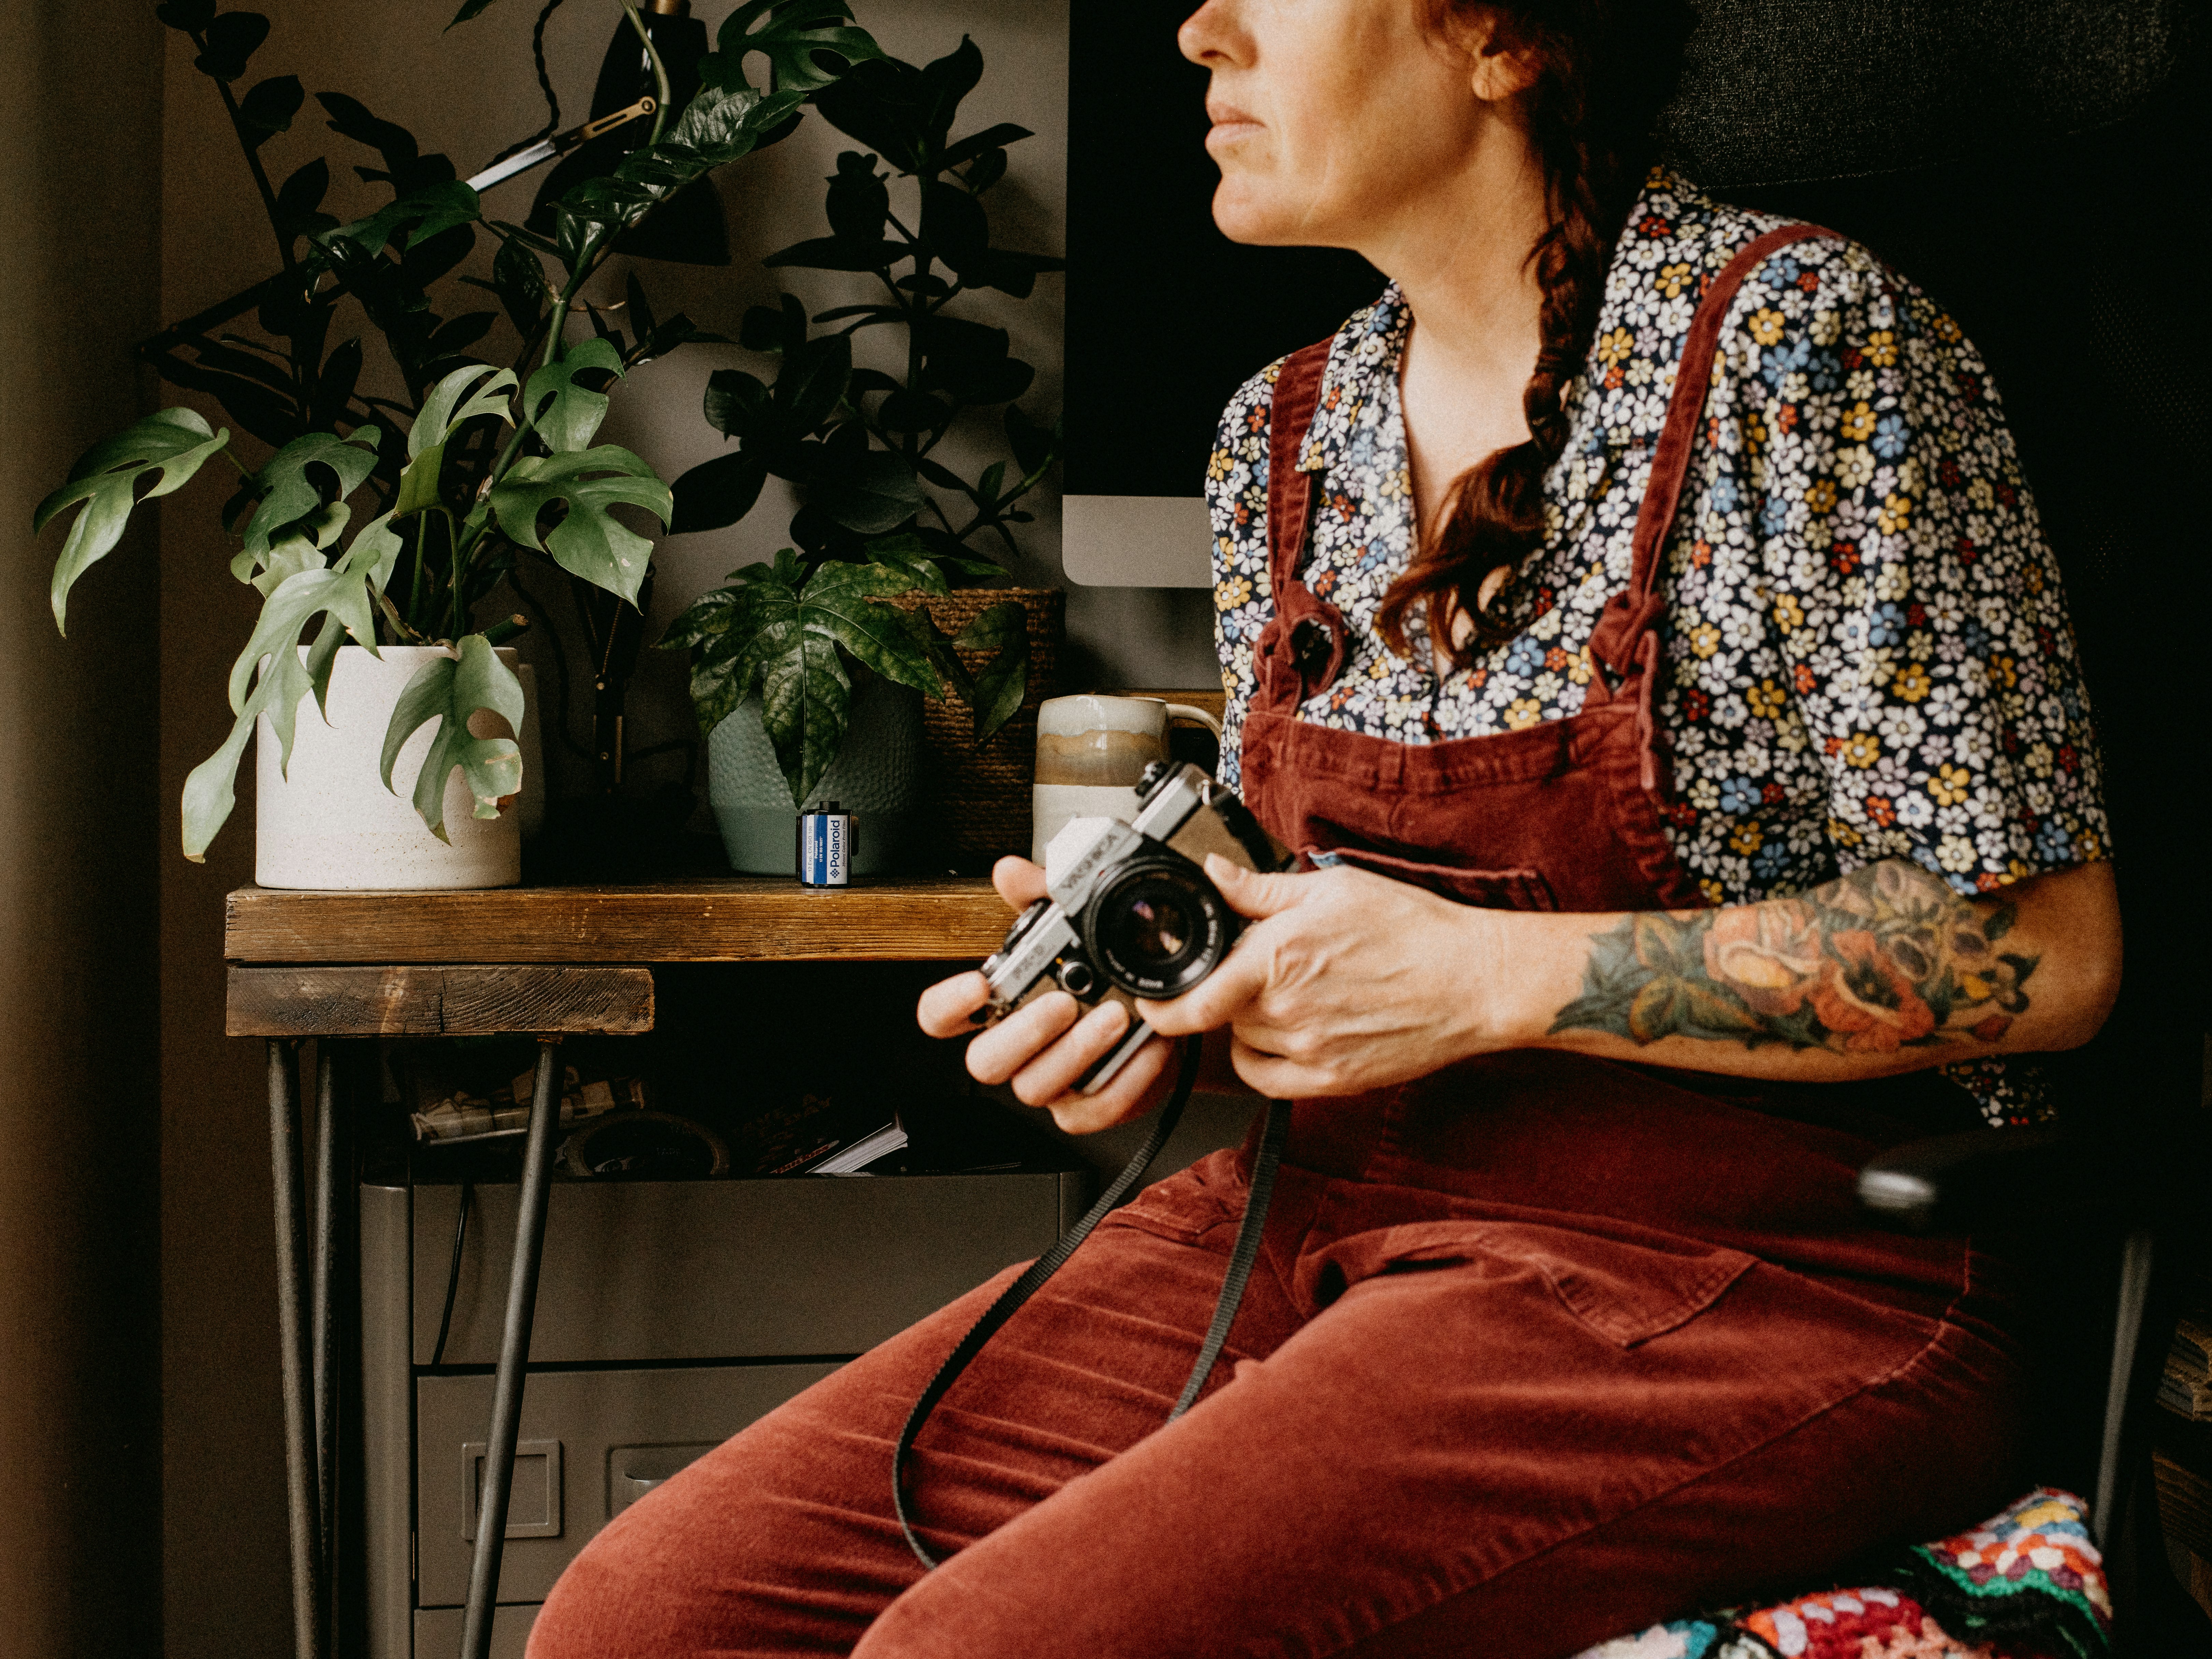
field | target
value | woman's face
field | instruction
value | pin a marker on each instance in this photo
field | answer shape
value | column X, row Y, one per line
column 1333, row 119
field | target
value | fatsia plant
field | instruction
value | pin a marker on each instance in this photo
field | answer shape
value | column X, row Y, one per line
column 476, row 467
column 859, row 443
column 785, row 630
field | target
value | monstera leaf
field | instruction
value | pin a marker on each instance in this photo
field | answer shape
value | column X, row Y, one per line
column 564, row 414
column 789, row 35
column 291, row 494
column 171, row 445
column 271, row 677
column 588, row 542
column 449, row 690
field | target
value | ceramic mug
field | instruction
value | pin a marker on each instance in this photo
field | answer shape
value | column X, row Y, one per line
column 1092, row 750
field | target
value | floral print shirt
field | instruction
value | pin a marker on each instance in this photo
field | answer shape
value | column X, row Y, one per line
column 1865, row 651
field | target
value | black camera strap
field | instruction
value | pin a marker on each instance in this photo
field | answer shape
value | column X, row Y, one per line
column 1241, row 1256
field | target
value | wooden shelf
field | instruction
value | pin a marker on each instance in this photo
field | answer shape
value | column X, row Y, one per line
column 711, row 919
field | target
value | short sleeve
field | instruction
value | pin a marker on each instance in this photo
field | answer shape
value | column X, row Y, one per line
column 1237, row 507
column 1916, row 604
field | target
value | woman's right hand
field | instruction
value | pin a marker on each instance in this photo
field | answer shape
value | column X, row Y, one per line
column 1044, row 1047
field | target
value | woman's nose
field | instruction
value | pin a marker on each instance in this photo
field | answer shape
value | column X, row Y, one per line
column 1209, row 36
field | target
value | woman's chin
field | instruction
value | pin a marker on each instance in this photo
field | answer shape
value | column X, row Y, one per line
column 1243, row 213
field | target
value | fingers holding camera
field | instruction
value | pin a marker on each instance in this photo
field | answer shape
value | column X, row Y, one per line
column 1019, row 882
column 1136, row 1089
column 946, row 1007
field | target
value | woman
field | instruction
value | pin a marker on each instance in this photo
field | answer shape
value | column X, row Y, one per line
column 1649, row 640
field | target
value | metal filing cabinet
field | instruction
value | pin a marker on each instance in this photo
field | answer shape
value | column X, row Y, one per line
column 673, row 1314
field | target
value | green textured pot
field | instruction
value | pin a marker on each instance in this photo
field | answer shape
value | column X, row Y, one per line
column 876, row 777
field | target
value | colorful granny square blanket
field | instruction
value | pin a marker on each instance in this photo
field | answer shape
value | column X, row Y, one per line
column 2027, row 1584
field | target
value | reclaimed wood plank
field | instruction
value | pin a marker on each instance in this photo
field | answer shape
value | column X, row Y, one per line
column 478, row 1000
column 716, row 919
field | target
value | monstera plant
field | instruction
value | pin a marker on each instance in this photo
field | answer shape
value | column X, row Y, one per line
column 882, row 517
column 389, row 517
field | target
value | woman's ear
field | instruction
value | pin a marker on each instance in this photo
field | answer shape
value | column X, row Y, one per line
column 1502, row 70
column 1500, row 65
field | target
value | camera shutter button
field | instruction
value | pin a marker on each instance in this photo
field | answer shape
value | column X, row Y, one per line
column 1076, row 978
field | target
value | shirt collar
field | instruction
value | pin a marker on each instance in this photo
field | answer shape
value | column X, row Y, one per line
column 1670, row 222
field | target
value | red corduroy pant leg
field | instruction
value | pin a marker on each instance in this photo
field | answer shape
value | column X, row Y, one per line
column 1492, row 1435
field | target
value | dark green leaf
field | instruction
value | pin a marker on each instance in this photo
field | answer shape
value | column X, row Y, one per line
column 907, row 551
column 641, row 308
column 1034, row 447
column 232, row 38
column 985, row 171
column 589, row 542
column 272, row 419
column 794, row 35
column 334, row 387
column 1001, row 683
column 430, row 210
column 811, row 382
column 980, row 144
column 303, row 192
column 268, row 109
column 951, row 78
column 170, row 446
column 986, row 487
column 716, row 493
column 450, row 689
column 520, row 281
column 888, row 108
column 773, row 328
column 953, row 225
column 873, row 493
column 914, row 411
column 737, row 405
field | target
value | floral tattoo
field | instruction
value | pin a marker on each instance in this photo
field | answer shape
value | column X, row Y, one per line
column 1888, row 957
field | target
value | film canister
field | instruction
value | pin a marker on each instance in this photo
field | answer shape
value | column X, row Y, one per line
column 825, row 847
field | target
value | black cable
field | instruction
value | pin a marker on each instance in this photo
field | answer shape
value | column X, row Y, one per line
column 454, row 1270
column 1246, row 1250
column 544, row 85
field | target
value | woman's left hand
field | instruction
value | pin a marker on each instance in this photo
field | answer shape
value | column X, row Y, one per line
column 1346, row 981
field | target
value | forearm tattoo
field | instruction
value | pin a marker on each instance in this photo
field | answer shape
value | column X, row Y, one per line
column 1888, row 957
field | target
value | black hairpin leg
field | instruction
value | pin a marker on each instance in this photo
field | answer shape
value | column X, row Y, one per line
column 302, row 1474
column 513, row 1354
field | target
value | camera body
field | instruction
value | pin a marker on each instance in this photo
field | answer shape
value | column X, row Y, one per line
column 1130, row 913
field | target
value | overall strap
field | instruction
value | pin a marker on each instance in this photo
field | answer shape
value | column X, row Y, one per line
column 1291, row 491
column 1618, row 641
column 1301, row 647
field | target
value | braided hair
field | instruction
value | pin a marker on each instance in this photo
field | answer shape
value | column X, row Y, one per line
column 1604, row 69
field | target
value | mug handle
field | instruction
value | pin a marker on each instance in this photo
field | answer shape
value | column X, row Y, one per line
column 1188, row 712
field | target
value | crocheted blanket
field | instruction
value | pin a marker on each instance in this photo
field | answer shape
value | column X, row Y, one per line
column 2027, row 1584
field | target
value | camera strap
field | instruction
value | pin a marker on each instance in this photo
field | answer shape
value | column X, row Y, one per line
column 1241, row 1256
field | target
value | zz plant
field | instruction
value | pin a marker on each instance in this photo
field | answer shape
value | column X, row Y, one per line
column 882, row 517
column 389, row 520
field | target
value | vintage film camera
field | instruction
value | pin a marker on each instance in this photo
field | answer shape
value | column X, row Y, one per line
column 1130, row 913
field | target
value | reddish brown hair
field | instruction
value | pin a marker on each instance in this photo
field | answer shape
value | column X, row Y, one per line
column 1604, row 68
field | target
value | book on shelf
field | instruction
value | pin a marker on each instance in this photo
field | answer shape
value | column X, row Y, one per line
column 458, row 1115
column 2185, row 1386
column 821, row 1135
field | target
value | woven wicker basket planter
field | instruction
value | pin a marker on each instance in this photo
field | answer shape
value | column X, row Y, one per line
column 975, row 803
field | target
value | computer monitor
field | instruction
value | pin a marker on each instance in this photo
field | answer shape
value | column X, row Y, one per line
column 1166, row 317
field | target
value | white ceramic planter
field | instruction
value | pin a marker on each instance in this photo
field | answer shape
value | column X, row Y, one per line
column 332, row 825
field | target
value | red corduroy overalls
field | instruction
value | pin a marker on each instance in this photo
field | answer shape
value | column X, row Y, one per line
column 1540, row 1349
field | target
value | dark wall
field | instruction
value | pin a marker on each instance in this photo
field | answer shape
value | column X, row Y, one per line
column 80, row 1396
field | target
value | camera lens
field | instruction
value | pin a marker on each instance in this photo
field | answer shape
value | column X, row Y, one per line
column 1157, row 926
